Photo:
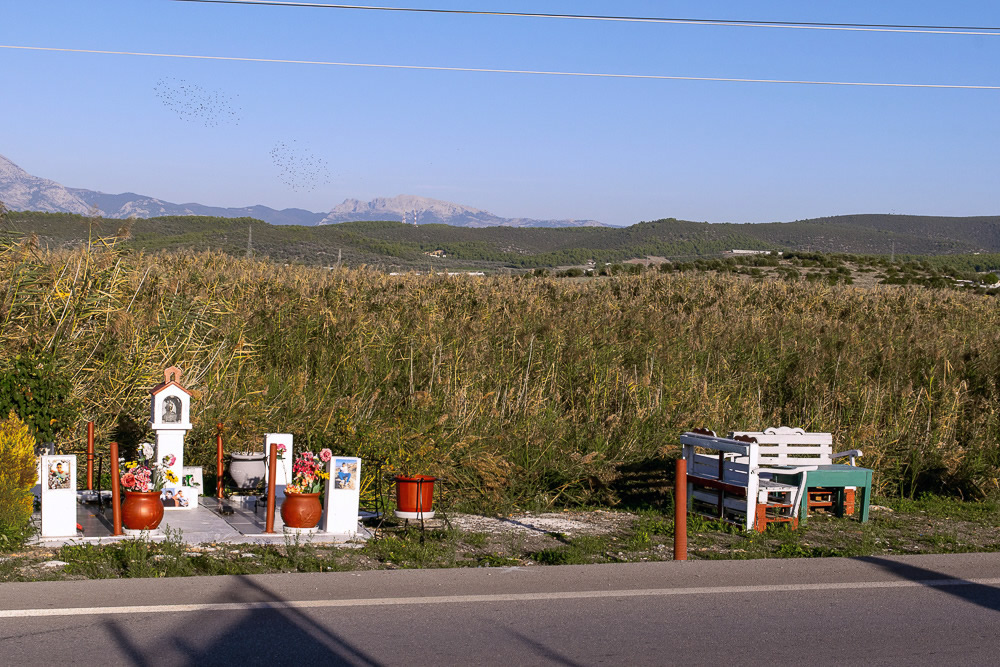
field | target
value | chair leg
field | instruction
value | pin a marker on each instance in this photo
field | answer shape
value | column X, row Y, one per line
column 760, row 518
column 849, row 496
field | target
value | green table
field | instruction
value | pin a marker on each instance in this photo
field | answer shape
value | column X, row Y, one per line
column 836, row 477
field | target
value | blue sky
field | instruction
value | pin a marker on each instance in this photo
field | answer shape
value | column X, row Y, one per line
column 616, row 150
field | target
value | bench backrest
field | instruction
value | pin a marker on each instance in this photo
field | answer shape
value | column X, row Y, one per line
column 733, row 463
column 791, row 446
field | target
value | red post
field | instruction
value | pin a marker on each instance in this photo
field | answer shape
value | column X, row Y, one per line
column 90, row 456
column 218, row 462
column 272, row 472
column 680, row 512
column 116, row 496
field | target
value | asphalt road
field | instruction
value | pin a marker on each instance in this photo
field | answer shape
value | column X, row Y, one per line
column 908, row 610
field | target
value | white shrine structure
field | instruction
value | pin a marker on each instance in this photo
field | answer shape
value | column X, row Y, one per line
column 283, row 467
column 343, row 496
column 170, row 419
column 57, row 477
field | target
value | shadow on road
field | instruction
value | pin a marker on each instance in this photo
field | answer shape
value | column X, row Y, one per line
column 979, row 594
column 276, row 635
column 543, row 651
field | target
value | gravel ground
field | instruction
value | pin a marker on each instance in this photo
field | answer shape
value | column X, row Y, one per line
column 570, row 524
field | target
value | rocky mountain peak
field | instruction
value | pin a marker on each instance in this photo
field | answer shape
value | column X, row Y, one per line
column 21, row 191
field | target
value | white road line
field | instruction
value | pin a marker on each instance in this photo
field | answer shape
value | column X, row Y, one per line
column 503, row 597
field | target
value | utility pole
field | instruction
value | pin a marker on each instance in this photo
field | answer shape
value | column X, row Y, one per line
column 249, row 241
column 892, row 257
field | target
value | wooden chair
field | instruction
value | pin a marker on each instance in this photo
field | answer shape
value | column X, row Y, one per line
column 729, row 484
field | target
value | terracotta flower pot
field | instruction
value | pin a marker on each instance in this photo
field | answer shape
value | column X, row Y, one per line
column 301, row 510
column 142, row 510
column 415, row 496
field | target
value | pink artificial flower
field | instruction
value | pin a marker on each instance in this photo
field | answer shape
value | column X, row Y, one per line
column 326, row 455
column 128, row 480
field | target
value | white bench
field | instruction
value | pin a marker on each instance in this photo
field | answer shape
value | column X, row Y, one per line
column 784, row 446
column 729, row 485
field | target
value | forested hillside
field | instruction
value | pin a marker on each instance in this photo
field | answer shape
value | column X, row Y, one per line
column 395, row 245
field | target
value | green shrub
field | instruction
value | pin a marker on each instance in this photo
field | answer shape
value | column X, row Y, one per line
column 35, row 388
column 17, row 476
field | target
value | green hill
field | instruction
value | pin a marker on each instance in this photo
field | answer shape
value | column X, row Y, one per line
column 395, row 245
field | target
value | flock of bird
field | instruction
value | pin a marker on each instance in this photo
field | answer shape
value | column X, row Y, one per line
column 191, row 102
column 298, row 168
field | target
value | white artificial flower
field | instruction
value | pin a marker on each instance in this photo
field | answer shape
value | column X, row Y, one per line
column 147, row 450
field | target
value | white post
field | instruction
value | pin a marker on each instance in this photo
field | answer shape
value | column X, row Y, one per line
column 343, row 496
column 58, row 496
column 753, row 483
column 284, row 468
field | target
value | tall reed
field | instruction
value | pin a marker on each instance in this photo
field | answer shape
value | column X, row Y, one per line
column 518, row 390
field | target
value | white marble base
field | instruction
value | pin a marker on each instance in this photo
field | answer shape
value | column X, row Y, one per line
column 138, row 532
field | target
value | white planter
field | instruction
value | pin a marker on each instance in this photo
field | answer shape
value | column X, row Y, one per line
column 248, row 470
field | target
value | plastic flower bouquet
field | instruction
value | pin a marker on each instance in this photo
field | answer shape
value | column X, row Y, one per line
column 142, row 476
column 308, row 472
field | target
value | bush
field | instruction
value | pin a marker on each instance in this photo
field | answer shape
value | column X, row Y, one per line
column 35, row 388
column 17, row 476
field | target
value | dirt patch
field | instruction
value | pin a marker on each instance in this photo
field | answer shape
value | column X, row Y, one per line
column 570, row 524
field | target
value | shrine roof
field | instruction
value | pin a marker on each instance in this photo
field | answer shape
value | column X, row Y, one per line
column 163, row 385
column 171, row 378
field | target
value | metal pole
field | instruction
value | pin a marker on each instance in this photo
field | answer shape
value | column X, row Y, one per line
column 272, row 469
column 680, row 511
column 90, row 456
column 100, row 483
column 116, row 505
column 218, row 462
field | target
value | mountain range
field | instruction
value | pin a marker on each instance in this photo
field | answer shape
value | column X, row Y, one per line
column 21, row 191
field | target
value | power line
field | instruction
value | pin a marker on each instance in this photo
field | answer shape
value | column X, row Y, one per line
column 432, row 68
column 798, row 25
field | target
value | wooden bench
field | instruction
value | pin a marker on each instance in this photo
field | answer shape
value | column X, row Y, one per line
column 783, row 446
column 728, row 484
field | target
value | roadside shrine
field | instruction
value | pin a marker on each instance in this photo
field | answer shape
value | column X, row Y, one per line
column 170, row 419
column 198, row 517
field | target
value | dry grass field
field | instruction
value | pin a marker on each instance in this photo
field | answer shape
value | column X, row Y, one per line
column 519, row 391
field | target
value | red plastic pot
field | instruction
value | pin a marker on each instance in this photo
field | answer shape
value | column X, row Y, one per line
column 301, row 510
column 415, row 494
column 142, row 510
